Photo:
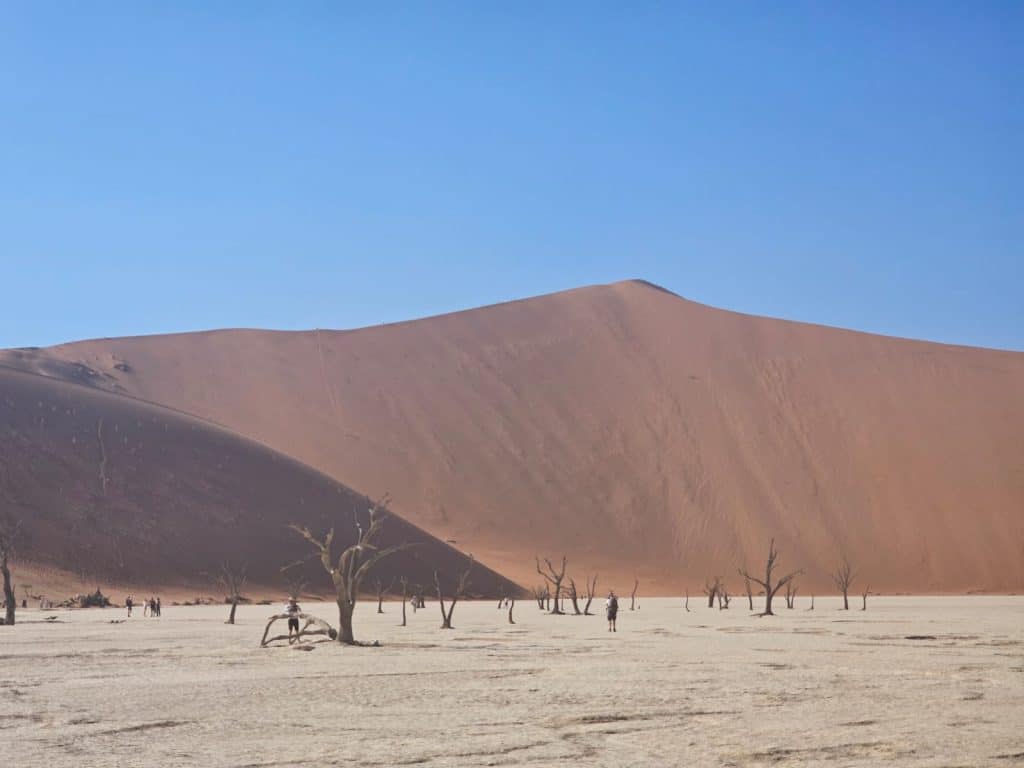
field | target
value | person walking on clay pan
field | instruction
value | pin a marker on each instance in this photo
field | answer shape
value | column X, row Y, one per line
column 158, row 606
column 611, row 610
column 128, row 604
column 293, row 611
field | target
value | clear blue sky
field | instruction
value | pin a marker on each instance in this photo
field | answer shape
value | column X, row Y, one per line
column 178, row 166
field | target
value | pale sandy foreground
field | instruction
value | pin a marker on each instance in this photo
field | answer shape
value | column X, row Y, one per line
column 670, row 688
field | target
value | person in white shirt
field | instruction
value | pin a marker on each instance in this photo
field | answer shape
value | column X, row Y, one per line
column 611, row 609
column 293, row 610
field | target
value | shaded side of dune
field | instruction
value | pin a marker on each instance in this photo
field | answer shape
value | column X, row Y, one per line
column 119, row 491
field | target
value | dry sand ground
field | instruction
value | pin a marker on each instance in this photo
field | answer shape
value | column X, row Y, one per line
column 670, row 688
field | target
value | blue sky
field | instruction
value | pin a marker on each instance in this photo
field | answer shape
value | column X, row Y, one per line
column 180, row 166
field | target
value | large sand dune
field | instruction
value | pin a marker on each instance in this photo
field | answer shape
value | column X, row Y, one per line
column 638, row 432
column 114, row 491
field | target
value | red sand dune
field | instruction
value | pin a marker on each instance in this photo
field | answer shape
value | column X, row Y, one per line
column 636, row 431
column 116, row 492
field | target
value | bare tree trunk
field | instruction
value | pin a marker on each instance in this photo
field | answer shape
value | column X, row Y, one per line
column 864, row 598
column 632, row 597
column 574, row 597
column 750, row 593
column 812, row 604
column 233, row 577
column 511, row 605
column 352, row 565
column 686, row 604
column 446, row 616
column 554, row 578
column 381, row 591
column 770, row 587
column 723, row 597
column 711, row 590
column 843, row 578
column 345, row 609
column 9, row 531
column 8, row 591
column 591, row 591
column 405, row 585
column 460, row 591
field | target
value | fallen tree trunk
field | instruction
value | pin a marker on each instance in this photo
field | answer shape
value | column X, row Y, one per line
column 322, row 628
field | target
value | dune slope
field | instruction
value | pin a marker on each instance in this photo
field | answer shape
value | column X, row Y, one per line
column 118, row 492
column 636, row 431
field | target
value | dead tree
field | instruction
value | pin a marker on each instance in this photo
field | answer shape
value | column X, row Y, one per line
column 233, row 579
column 770, row 587
column 686, row 603
column 9, row 531
column 711, row 590
column 864, row 598
column 812, row 604
column 750, row 592
column 790, row 594
column 381, row 591
column 632, row 597
column 591, row 591
column 352, row 565
column 843, row 578
column 723, row 598
column 460, row 591
column 554, row 579
column 511, row 605
column 540, row 595
column 405, row 587
column 574, row 597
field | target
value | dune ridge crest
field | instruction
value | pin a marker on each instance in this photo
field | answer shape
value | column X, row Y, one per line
column 638, row 432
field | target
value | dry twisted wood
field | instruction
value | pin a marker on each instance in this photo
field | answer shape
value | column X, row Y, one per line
column 323, row 629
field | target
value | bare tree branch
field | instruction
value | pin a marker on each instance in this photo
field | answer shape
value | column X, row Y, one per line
column 767, row 584
column 843, row 578
column 353, row 564
column 460, row 591
column 554, row 578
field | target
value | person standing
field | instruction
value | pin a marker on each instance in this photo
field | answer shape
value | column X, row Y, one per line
column 293, row 611
column 611, row 610
column 128, row 601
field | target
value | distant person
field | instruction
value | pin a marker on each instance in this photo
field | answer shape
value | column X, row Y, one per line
column 129, row 602
column 159, row 607
column 145, row 607
column 293, row 611
column 611, row 610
